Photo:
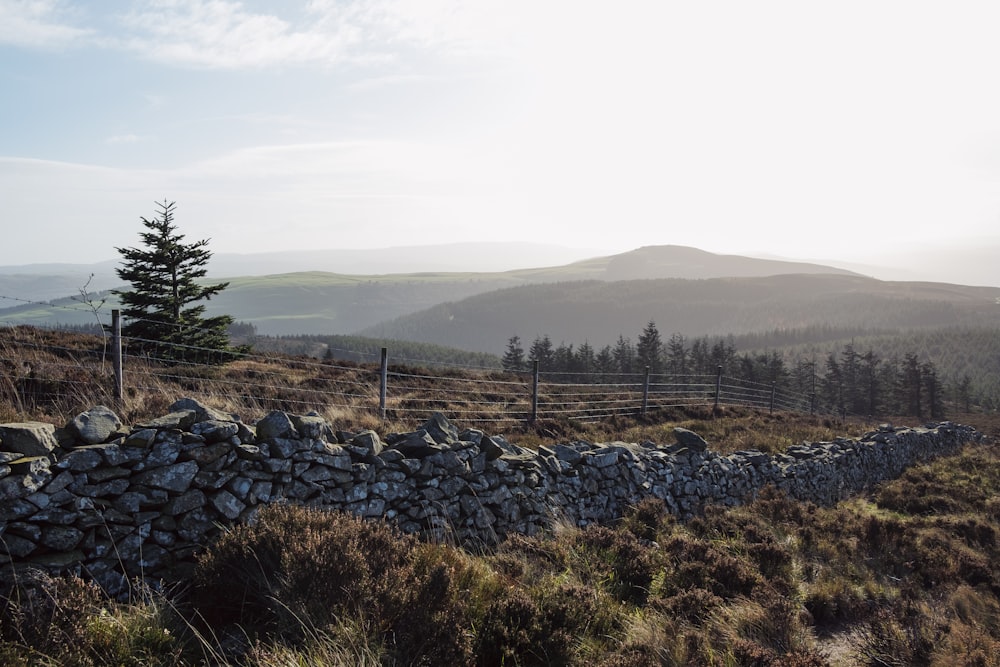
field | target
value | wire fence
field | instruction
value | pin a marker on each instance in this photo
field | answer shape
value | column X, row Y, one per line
column 39, row 366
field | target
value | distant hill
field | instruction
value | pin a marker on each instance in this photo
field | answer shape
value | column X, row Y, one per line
column 321, row 302
column 598, row 311
column 684, row 262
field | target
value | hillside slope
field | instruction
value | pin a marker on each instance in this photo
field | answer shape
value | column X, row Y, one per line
column 320, row 302
column 597, row 312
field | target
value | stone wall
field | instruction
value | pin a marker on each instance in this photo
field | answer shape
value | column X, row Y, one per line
column 116, row 503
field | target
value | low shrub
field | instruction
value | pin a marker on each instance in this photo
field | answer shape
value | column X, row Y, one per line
column 66, row 621
column 295, row 565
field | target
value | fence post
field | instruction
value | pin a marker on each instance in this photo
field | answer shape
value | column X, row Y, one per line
column 645, row 392
column 718, row 387
column 773, row 386
column 534, row 391
column 116, row 354
column 383, row 382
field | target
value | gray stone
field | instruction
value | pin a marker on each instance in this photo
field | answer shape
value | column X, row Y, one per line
column 276, row 425
column 185, row 502
column 95, row 425
column 141, row 438
column 227, row 504
column 286, row 447
column 313, row 427
column 249, row 452
column 29, row 438
column 16, row 546
column 441, row 431
column 369, row 442
column 181, row 420
column 208, row 454
column 215, row 431
column 416, row 445
column 202, row 412
column 177, row 477
column 80, row 459
column 61, row 538
column 20, row 486
column 567, row 454
column 689, row 439
column 103, row 474
column 162, row 453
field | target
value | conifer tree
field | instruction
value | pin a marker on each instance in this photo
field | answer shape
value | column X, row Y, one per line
column 542, row 352
column 513, row 358
column 624, row 355
column 649, row 349
column 162, row 316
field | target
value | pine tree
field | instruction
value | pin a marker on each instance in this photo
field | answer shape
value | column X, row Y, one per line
column 649, row 349
column 624, row 355
column 604, row 364
column 541, row 351
column 513, row 358
column 911, row 385
column 932, row 390
column 563, row 359
column 585, row 361
column 677, row 355
column 162, row 318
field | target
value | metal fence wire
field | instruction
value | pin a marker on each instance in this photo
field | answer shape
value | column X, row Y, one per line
column 34, row 366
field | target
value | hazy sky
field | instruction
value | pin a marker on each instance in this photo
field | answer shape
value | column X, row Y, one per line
column 804, row 129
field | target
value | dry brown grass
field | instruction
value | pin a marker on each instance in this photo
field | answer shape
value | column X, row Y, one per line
column 52, row 376
column 905, row 573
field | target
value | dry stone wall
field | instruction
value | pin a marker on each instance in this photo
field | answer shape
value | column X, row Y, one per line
column 115, row 503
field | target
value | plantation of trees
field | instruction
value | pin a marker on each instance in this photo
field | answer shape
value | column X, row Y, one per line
column 849, row 380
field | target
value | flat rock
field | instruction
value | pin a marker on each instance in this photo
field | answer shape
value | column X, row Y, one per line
column 689, row 439
column 29, row 438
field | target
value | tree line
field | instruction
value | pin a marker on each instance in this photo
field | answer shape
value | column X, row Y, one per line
column 847, row 381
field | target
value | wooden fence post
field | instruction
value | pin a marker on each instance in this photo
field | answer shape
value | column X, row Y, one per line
column 116, row 355
column 383, row 382
column 773, row 388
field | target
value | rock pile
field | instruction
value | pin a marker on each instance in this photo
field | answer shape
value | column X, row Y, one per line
column 116, row 503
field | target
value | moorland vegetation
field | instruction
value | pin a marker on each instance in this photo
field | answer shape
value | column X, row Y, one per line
column 903, row 574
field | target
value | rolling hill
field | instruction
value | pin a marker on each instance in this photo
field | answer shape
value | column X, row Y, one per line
column 320, row 302
column 598, row 312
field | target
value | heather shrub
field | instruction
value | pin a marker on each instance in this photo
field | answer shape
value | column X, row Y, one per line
column 437, row 595
column 693, row 605
column 904, row 635
column 834, row 600
column 47, row 620
column 647, row 519
column 295, row 565
column 617, row 558
column 701, row 564
column 515, row 632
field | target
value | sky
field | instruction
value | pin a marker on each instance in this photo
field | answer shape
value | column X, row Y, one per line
column 813, row 130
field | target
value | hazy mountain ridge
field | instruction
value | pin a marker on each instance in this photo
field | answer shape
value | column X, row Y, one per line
column 683, row 289
column 597, row 312
column 324, row 302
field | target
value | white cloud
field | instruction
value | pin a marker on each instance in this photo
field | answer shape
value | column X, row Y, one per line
column 125, row 139
column 226, row 34
column 222, row 34
column 38, row 24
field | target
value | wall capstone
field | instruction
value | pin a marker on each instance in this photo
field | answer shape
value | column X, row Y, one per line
column 114, row 504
